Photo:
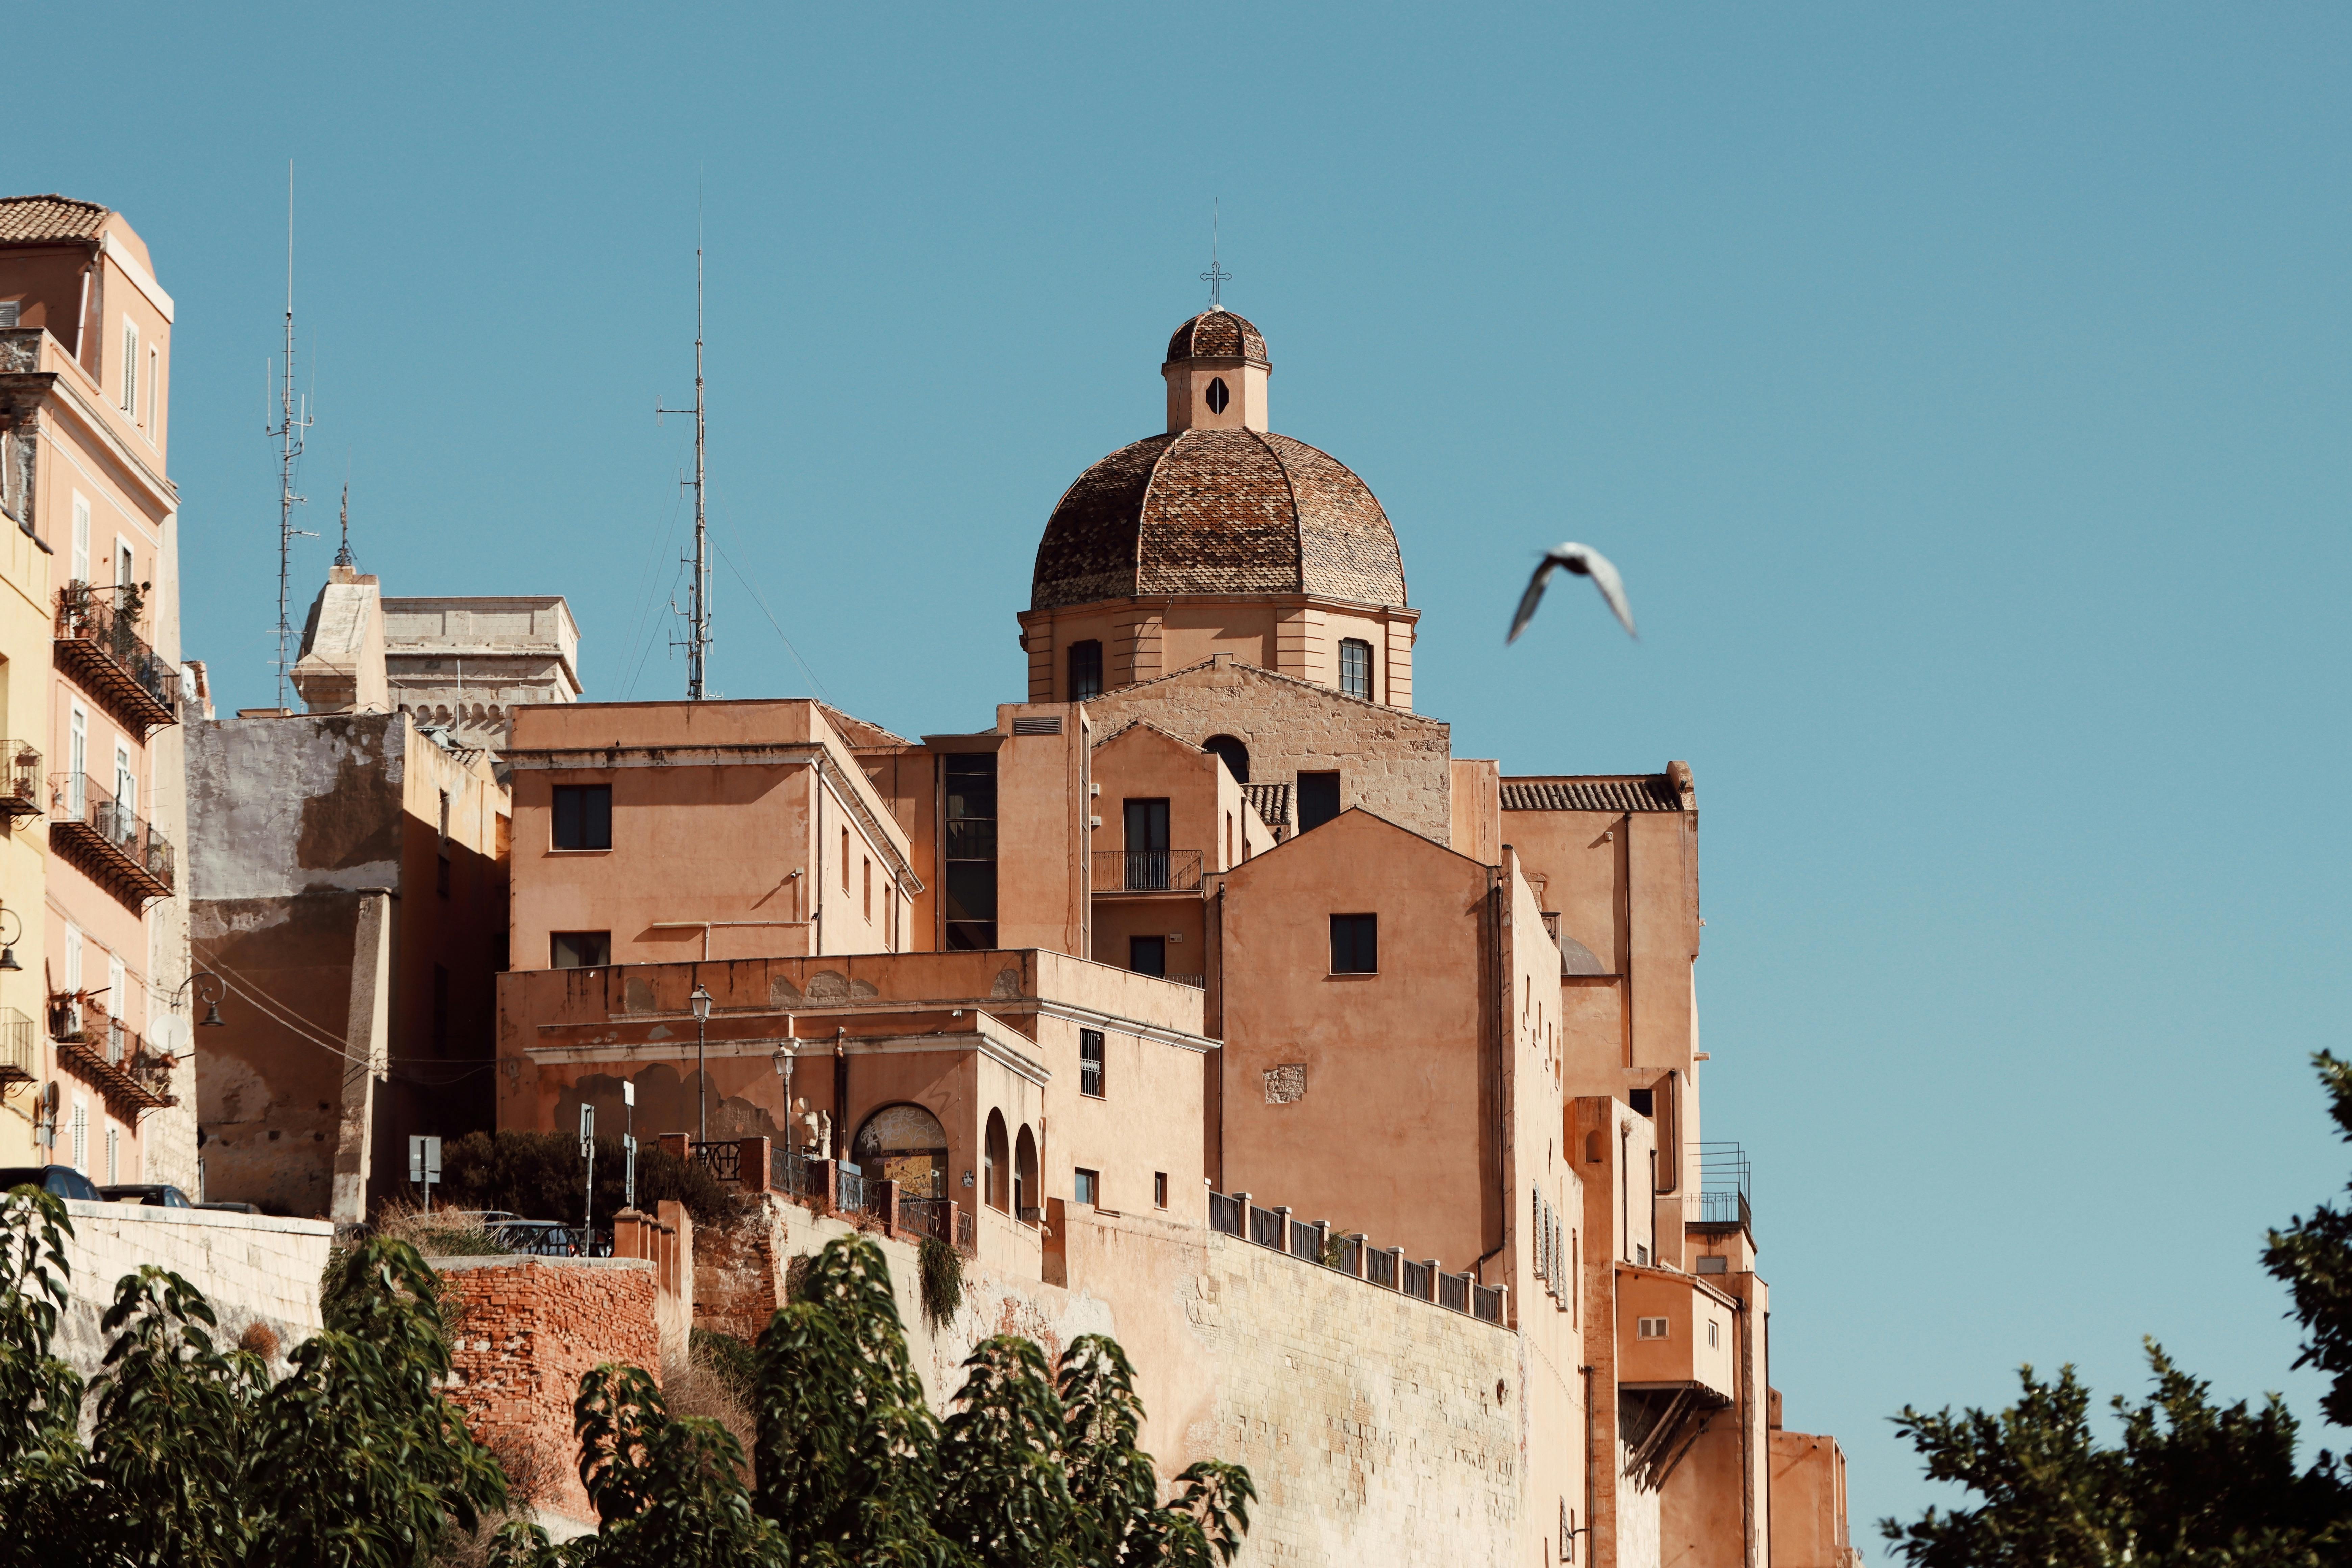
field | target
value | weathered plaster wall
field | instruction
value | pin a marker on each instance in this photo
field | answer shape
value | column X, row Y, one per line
column 251, row 1268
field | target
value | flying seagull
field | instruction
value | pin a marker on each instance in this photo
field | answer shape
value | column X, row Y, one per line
column 1584, row 562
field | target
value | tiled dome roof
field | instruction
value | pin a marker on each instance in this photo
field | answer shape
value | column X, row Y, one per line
column 1211, row 513
column 1218, row 334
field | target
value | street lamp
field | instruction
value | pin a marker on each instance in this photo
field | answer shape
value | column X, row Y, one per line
column 701, row 1000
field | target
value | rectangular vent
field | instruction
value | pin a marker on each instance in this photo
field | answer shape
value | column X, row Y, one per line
column 1037, row 726
column 11, row 310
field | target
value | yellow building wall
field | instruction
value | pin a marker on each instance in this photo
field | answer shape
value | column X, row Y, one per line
column 25, row 623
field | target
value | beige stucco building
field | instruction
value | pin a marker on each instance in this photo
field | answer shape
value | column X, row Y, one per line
column 1207, row 985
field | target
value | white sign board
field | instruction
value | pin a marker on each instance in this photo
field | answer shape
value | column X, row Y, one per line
column 424, row 1160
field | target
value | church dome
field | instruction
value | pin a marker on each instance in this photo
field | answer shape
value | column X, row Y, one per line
column 1206, row 512
column 1217, row 334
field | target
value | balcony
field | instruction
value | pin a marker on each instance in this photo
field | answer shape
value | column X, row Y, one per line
column 1147, row 871
column 115, row 1058
column 101, row 650
column 1720, row 1196
column 114, row 846
column 1352, row 1255
column 20, row 780
column 20, row 1048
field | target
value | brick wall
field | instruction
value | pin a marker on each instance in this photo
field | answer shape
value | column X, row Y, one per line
column 251, row 1268
column 528, row 1328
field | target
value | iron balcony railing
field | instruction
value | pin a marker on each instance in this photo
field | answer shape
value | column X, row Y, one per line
column 1722, row 1194
column 20, row 779
column 925, row 1216
column 850, row 1195
column 100, row 649
column 724, row 1160
column 1234, row 1214
column 1147, row 870
column 20, row 1047
column 109, row 840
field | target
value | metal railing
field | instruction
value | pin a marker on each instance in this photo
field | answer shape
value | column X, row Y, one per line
column 101, row 647
column 723, row 1161
column 963, row 1236
column 1234, row 1214
column 1147, row 870
column 924, row 1217
column 788, row 1170
column 1723, row 1189
column 20, row 1047
column 1197, row 981
column 20, row 779
column 83, row 813
column 849, row 1196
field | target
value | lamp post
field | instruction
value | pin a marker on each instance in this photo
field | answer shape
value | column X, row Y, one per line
column 701, row 1000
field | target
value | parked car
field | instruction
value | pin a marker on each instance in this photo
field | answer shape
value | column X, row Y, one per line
column 63, row 1180
column 537, row 1238
column 147, row 1195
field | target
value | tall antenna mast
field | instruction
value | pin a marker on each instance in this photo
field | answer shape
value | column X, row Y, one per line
column 697, row 594
column 293, row 419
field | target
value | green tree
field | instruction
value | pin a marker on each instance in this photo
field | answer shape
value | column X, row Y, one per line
column 41, row 1455
column 2190, row 1485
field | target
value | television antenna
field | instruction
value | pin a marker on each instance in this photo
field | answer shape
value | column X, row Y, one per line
column 697, row 641
column 293, row 419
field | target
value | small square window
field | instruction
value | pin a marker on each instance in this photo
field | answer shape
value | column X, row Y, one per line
column 579, row 949
column 1160, row 1189
column 1650, row 1327
column 1089, row 1186
column 1090, row 1063
column 583, row 816
column 1355, row 944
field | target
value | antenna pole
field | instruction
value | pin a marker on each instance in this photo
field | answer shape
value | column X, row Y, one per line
column 288, row 433
column 698, row 592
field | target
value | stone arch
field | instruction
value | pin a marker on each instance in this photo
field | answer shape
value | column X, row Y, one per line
column 996, row 1166
column 1026, row 1198
column 1235, row 751
column 904, row 1143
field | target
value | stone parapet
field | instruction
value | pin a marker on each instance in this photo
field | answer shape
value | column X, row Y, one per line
column 253, row 1269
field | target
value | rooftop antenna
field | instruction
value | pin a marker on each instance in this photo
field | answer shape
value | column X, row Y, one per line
column 345, row 557
column 1214, row 278
column 697, row 593
column 293, row 419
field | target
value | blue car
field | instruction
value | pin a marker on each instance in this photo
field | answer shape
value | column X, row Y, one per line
column 62, row 1179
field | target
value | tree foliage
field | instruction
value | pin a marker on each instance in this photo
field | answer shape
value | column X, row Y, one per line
column 541, row 1175
column 2191, row 1484
column 355, row 1460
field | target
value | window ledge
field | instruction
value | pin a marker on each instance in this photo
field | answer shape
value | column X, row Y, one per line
column 1354, row 975
column 580, row 851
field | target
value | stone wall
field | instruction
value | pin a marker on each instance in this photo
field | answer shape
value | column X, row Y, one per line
column 252, row 1268
column 529, row 1329
column 1392, row 762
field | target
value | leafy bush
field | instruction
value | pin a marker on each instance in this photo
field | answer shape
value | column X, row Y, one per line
column 541, row 1175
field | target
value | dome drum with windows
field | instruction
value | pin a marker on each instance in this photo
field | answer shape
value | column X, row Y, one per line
column 1218, row 536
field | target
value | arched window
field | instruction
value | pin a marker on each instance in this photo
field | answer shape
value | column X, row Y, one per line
column 1236, row 755
column 1028, row 1206
column 1086, row 670
column 1356, row 667
column 905, row 1144
column 1592, row 1148
column 996, row 1166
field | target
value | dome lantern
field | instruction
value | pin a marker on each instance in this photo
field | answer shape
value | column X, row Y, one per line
column 1216, row 372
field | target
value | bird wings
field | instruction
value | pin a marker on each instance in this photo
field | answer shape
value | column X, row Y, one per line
column 1584, row 562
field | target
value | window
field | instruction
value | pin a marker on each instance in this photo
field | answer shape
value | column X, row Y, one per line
column 1090, row 1062
column 1229, row 839
column 845, row 859
column 1356, row 667
column 440, row 1009
column 126, row 565
column 868, row 871
column 82, row 1137
column 1089, row 1185
column 130, row 367
column 1318, row 800
column 579, row 949
column 1147, row 845
column 1086, row 670
column 1232, row 752
column 154, row 377
column 995, row 1164
column 1650, row 1327
column 583, row 816
column 1147, row 955
column 1568, row 1532
column 114, row 1155
column 81, row 539
column 126, row 792
column 1642, row 1254
column 1714, row 1330
column 1355, row 944
column 904, row 1143
column 73, row 958
column 1160, row 1189
column 1218, row 395
column 77, row 761
column 971, row 850
column 118, row 1004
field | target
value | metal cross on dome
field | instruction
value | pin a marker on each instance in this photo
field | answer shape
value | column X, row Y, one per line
column 1216, row 280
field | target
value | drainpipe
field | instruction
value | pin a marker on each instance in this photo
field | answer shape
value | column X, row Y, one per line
column 1501, row 1041
column 81, row 317
column 816, row 898
column 1592, row 1498
column 840, row 1091
column 1625, row 1189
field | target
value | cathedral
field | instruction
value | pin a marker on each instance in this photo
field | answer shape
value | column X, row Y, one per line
column 1203, row 997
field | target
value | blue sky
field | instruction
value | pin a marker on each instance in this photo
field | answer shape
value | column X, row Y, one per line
column 1963, row 393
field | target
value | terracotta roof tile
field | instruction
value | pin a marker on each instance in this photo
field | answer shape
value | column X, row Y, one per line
column 1210, row 512
column 1218, row 334
column 1637, row 791
column 1271, row 802
column 34, row 220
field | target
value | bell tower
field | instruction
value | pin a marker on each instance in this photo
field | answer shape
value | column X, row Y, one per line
column 1216, row 374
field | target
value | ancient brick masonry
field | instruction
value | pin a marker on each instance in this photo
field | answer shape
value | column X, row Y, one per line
column 528, row 1330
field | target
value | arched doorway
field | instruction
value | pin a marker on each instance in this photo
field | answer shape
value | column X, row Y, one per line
column 996, row 1166
column 1234, row 751
column 905, row 1144
column 1026, row 1203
